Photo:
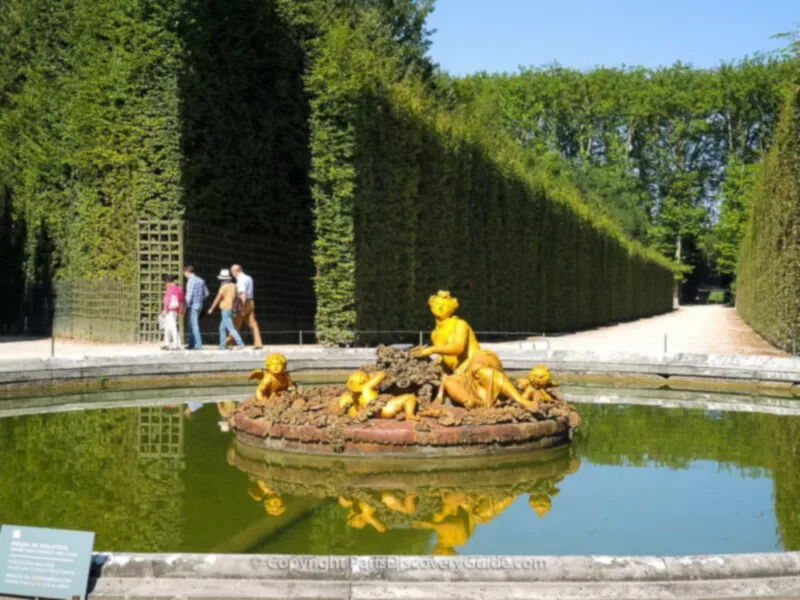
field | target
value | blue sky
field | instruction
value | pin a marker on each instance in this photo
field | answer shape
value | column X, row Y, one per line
column 501, row 35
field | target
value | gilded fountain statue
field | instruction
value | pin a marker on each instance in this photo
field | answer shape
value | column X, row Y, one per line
column 473, row 376
column 450, row 398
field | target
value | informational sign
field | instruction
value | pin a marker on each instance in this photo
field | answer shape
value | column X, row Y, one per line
column 44, row 563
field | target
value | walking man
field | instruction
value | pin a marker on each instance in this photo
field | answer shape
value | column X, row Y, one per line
column 247, row 312
column 196, row 293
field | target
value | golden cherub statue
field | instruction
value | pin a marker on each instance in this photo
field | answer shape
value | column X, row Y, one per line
column 363, row 517
column 273, row 378
column 407, row 506
column 272, row 502
column 363, row 389
column 538, row 385
column 540, row 503
column 474, row 376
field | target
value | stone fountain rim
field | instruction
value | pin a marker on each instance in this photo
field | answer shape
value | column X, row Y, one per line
column 132, row 575
column 711, row 369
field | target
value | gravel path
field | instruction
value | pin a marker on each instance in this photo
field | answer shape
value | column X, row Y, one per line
column 703, row 329
column 698, row 329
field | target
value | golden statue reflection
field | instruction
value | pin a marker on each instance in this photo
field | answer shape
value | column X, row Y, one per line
column 450, row 503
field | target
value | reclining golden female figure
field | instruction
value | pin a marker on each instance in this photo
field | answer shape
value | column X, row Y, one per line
column 363, row 389
column 452, row 530
column 407, row 506
column 475, row 376
column 460, row 515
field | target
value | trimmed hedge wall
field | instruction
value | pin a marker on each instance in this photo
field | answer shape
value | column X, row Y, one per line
column 411, row 198
column 768, row 283
column 117, row 110
column 89, row 129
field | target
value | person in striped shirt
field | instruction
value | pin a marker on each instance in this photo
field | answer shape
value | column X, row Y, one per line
column 196, row 294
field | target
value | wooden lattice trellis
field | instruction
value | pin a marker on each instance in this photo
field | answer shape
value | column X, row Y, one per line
column 160, row 252
column 160, row 432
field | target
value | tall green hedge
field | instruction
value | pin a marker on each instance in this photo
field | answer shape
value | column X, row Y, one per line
column 768, row 285
column 411, row 198
column 89, row 129
column 116, row 110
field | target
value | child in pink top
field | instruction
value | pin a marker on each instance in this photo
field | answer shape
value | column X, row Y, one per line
column 173, row 305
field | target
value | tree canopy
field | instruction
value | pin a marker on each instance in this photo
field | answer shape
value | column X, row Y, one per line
column 650, row 148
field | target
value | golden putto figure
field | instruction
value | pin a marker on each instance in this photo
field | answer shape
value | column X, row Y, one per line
column 363, row 389
column 273, row 503
column 273, row 378
column 539, row 386
column 474, row 377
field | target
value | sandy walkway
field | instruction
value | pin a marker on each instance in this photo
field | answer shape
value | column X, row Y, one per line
column 705, row 329
column 699, row 329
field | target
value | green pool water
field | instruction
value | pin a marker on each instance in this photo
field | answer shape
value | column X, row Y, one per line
column 637, row 480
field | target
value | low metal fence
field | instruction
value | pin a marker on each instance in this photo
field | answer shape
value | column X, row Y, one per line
column 97, row 311
column 364, row 338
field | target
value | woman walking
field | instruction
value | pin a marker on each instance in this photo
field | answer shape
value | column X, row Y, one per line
column 225, row 299
column 173, row 305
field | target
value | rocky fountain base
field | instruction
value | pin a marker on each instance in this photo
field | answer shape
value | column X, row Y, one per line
column 312, row 421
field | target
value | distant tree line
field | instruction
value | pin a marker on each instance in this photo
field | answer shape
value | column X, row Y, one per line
column 670, row 154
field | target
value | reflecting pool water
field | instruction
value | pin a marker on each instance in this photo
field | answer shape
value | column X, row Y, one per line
column 637, row 480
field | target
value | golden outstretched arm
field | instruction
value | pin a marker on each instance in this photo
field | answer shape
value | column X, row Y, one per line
column 457, row 347
column 375, row 381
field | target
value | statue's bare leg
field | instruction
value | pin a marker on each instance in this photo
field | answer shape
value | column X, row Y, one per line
column 492, row 378
column 459, row 392
column 406, row 402
column 439, row 399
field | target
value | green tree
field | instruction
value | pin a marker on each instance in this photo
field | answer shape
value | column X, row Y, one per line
column 737, row 192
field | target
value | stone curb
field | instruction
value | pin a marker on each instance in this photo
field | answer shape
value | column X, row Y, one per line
column 740, row 368
column 445, row 568
column 480, row 577
column 715, row 401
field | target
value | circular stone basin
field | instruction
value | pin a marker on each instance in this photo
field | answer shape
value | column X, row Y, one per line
column 392, row 437
column 403, row 437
